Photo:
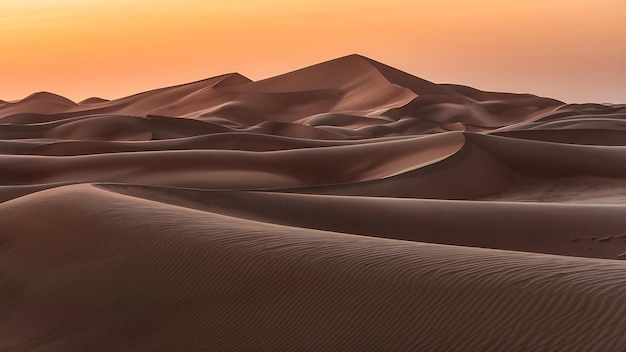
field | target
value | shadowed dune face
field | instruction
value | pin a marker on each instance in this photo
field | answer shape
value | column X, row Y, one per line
column 343, row 206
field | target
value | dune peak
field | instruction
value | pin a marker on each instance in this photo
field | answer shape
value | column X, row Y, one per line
column 47, row 96
column 93, row 100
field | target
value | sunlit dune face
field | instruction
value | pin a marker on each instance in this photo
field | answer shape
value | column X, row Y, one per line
column 572, row 50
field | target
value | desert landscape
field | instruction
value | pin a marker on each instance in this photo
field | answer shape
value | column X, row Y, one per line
column 345, row 206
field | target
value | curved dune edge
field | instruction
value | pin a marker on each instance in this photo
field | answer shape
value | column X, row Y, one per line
column 236, row 169
column 597, row 231
column 142, row 275
column 430, row 166
column 223, row 141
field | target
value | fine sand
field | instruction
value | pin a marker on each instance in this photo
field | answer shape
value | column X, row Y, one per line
column 346, row 206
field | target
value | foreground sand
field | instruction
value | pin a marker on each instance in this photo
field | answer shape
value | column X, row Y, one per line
column 345, row 206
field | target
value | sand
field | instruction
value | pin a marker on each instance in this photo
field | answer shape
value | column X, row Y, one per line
column 346, row 206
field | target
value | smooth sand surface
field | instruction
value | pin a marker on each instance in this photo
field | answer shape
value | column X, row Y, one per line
column 346, row 206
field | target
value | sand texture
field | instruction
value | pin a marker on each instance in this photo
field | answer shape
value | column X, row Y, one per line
column 346, row 206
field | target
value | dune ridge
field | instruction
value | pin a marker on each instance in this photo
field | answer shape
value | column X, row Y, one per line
column 345, row 206
column 330, row 288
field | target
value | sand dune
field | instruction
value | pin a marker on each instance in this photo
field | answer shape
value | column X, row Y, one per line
column 92, row 100
column 571, row 136
column 346, row 206
column 235, row 169
column 221, row 283
column 554, row 228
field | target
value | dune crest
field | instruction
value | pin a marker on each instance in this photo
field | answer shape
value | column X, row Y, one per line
column 93, row 100
column 345, row 206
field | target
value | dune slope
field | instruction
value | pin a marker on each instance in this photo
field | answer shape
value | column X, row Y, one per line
column 132, row 278
column 345, row 206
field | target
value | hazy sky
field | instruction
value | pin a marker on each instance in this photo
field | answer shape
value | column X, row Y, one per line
column 573, row 50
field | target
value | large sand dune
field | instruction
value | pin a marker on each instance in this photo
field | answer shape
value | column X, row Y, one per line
column 346, row 206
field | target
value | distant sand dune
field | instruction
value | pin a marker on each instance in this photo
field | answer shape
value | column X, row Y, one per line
column 346, row 206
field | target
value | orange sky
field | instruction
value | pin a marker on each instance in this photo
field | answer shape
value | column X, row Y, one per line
column 574, row 50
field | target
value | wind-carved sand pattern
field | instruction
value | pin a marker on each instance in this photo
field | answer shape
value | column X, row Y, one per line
column 347, row 206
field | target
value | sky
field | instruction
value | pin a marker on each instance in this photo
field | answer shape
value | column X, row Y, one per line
column 572, row 50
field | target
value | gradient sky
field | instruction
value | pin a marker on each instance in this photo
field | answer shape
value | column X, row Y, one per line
column 573, row 50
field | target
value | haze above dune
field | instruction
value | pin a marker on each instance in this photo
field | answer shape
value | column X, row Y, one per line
column 344, row 206
column 570, row 50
